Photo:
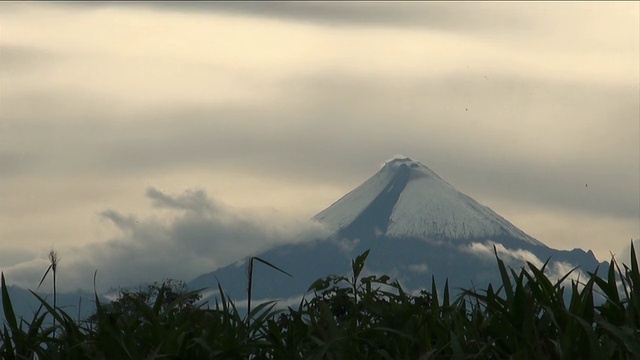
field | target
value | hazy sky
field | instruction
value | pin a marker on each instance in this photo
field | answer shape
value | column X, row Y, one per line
column 157, row 140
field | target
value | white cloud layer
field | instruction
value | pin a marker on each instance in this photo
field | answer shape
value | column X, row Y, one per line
column 518, row 259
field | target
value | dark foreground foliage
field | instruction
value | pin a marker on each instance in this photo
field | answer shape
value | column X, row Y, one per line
column 527, row 317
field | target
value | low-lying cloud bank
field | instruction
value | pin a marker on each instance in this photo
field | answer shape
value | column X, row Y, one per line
column 190, row 234
column 517, row 259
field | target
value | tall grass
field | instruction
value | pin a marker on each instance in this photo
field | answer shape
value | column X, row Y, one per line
column 54, row 259
column 526, row 316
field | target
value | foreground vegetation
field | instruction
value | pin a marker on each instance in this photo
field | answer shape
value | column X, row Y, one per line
column 527, row 317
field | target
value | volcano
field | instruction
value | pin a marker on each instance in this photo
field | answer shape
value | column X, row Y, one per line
column 405, row 199
column 416, row 226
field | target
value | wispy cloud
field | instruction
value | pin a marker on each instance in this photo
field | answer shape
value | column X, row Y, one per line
column 197, row 235
column 345, row 245
column 518, row 259
column 419, row 268
column 193, row 201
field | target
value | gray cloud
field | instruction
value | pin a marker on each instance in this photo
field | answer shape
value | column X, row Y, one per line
column 199, row 239
column 123, row 222
column 12, row 256
column 301, row 145
column 20, row 58
column 195, row 200
column 466, row 17
column 14, row 163
column 447, row 122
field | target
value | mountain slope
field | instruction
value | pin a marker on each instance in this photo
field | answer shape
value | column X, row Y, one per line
column 415, row 224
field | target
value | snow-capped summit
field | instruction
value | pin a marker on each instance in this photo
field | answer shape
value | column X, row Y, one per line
column 406, row 199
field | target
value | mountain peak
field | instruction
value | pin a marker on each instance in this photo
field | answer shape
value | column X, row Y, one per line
column 416, row 168
column 406, row 199
column 401, row 160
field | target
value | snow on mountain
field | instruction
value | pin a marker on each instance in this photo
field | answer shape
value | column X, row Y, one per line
column 346, row 210
column 425, row 207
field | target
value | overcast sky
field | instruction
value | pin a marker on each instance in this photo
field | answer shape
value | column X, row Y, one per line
column 155, row 140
